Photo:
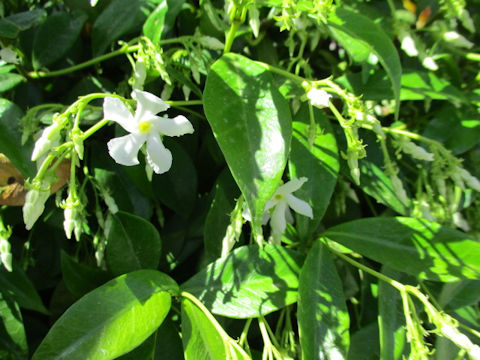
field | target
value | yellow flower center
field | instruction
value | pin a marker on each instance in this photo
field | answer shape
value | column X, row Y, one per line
column 278, row 197
column 144, row 126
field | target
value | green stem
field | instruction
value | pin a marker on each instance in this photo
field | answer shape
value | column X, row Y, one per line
column 231, row 36
column 282, row 72
column 121, row 51
column 400, row 287
column 473, row 56
column 92, row 130
column 185, row 103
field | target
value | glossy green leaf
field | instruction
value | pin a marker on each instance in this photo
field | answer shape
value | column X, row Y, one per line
column 252, row 125
column 363, row 29
column 169, row 343
column 9, row 81
column 415, row 246
column 81, row 278
column 323, row 319
column 111, row 320
column 248, row 282
column 11, row 137
column 218, row 218
column 391, row 319
column 133, row 243
column 55, row 37
column 162, row 19
column 459, row 294
column 13, row 341
column 18, row 286
column 316, row 160
column 201, row 340
column 120, row 17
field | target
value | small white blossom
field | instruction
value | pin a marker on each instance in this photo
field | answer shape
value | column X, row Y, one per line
column 47, row 140
column 408, row 44
column 319, row 98
column 34, row 205
column 281, row 202
column 430, row 64
column 9, row 56
column 456, row 39
column 144, row 127
column 5, row 252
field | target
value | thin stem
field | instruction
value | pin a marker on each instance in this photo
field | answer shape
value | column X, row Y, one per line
column 94, row 128
column 185, row 103
column 231, row 36
column 121, row 51
column 282, row 72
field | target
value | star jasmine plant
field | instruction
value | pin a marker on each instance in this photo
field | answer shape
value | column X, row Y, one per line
column 144, row 127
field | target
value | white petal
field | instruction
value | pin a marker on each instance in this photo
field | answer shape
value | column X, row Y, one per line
column 278, row 221
column 291, row 186
column 288, row 215
column 299, row 206
column 114, row 109
column 124, row 149
column 177, row 126
column 158, row 157
column 147, row 105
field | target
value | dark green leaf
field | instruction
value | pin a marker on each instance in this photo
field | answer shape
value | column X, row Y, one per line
column 55, row 37
column 111, row 320
column 391, row 318
column 323, row 319
column 11, row 138
column 365, row 30
column 133, row 243
column 364, row 344
column 416, row 246
column 120, row 17
column 248, row 282
column 316, row 160
column 218, row 218
column 81, row 278
column 201, row 340
column 9, row 81
column 13, row 24
column 13, row 341
column 177, row 188
column 459, row 294
column 252, row 125
column 17, row 285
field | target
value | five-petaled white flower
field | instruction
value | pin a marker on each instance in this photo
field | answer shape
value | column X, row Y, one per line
column 143, row 127
column 319, row 98
column 281, row 202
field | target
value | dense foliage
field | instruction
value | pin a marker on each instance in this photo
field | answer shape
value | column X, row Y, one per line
column 240, row 179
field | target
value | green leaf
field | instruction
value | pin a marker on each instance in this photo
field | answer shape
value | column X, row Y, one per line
column 11, row 26
column 252, row 125
column 111, row 320
column 201, row 340
column 218, row 218
column 378, row 185
column 9, row 81
column 177, row 188
column 391, row 319
column 162, row 19
column 133, row 243
column 11, row 138
column 459, row 294
column 18, row 286
column 13, row 341
column 323, row 319
column 364, row 344
column 316, row 160
column 415, row 246
column 55, row 37
column 119, row 18
column 248, row 282
column 363, row 29
column 81, row 278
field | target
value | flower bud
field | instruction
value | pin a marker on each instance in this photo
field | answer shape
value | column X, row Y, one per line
column 35, row 200
column 319, row 98
column 47, row 140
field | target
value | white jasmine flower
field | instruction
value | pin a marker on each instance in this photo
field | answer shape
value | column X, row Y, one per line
column 408, row 44
column 281, row 202
column 9, row 56
column 34, row 205
column 47, row 140
column 319, row 98
column 144, row 127
column 430, row 64
column 457, row 40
